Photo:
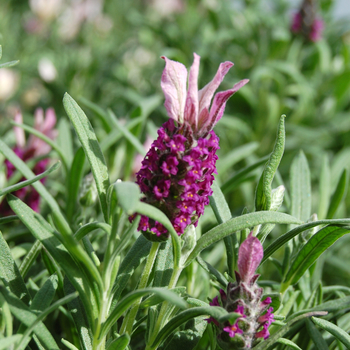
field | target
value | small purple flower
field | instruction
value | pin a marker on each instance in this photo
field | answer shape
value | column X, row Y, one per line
column 264, row 333
column 267, row 318
column 176, row 174
column 27, row 150
column 232, row 330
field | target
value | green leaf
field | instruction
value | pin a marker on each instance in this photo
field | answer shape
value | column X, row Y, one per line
column 236, row 224
column 282, row 240
column 316, row 336
column 333, row 329
column 263, row 197
column 27, row 317
column 120, row 343
column 129, row 300
column 42, row 231
column 76, row 173
column 91, row 226
column 279, row 334
column 138, row 252
column 68, row 344
column 80, row 318
column 163, row 267
column 9, row 64
column 324, row 189
column 127, row 134
column 9, row 273
column 236, row 155
column 288, row 343
column 309, row 253
column 155, row 299
column 30, row 258
column 128, row 195
column 45, row 295
column 300, row 187
column 241, row 176
column 338, row 194
column 185, row 316
column 223, row 214
column 212, row 271
column 30, row 181
column 91, row 148
column 189, row 337
column 157, row 215
column 34, row 323
column 8, row 341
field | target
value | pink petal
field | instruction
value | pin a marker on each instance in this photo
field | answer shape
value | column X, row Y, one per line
column 206, row 94
column 250, row 255
column 173, row 84
column 19, row 132
column 218, row 107
column 191, row 106
column 50, row 120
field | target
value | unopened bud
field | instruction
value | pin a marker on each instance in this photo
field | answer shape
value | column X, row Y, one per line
column 277, row 198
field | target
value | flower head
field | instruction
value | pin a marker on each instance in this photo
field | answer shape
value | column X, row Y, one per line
column 177, row 172
column 27, row 150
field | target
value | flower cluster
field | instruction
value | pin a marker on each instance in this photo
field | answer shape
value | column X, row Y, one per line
column 244, row 297
column 307, row 23
column 177, row 172
column 33, row 148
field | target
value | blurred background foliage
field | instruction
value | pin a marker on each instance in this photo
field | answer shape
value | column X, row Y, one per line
column 108, row 53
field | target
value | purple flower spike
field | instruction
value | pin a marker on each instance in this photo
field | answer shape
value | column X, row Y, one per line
column 249, row 257
column 177, row 172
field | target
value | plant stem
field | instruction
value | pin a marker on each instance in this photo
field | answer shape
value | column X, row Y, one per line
column 163, row 316
column 130, row 318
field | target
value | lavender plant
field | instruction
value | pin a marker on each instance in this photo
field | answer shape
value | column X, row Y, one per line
column 87, row 284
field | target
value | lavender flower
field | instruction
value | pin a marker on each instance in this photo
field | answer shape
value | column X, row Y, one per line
column 244, row 297
column 307, row 23
column 177, row 172
column 35, row 147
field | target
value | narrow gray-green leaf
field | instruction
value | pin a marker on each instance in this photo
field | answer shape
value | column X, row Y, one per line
column 289, row 343
column 76, row 173
column 282, row 240
column 128, row 195
column 127, row 134
column 120, row 343
column 9, row 273
column 316, row 245
column 338, row 194
column 25, row 183
column 80, row 318
column 129, row 300
column 42, row 231
column 316, row 336
column 157, row 215
column 138, row 253
column 24, row 315
column 239, row 223
column 91, row 226
column 223, row 214
column 91, row 148
column 300, row 187
column 241, row 175
column 263, row 190
column 163, row 267
column 324, row 189
column 8, row 341
column 68, row 344
column 9, row 64
column 185, row 316
column 339, row 333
